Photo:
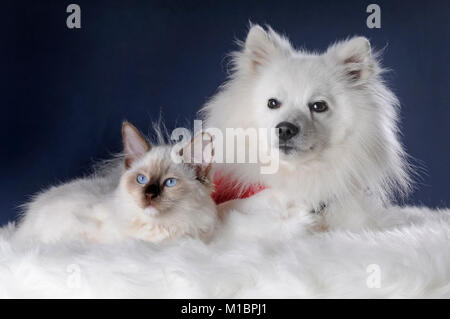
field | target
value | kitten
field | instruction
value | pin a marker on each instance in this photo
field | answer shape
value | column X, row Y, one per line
column 155, row 199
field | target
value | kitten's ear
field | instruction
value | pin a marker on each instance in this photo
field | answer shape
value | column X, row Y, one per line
column 134, row 144
column 199, row 152
column 355, row 55
column 261, row 47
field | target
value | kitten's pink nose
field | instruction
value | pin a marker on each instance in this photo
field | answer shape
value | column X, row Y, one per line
column 152, row 191
column 148, row 198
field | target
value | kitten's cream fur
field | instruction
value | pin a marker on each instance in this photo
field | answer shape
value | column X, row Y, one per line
column 102, row 209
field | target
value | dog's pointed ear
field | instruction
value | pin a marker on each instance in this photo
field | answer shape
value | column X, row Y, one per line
column 134, row 144
column 263, row 46
column 355, row 55
column 199, row 153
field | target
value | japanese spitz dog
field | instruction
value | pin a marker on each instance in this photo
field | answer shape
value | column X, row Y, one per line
column 340, row 157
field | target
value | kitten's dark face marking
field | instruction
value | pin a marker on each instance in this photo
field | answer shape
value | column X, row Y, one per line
column 156, row 194
column 152, row 191
column 154, row 166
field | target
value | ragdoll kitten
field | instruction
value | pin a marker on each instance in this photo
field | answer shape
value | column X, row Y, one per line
column 155, row 199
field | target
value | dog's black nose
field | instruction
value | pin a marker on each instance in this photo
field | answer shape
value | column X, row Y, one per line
column 286, row 131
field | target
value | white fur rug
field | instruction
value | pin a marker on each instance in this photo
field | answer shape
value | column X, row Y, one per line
column 409, row 260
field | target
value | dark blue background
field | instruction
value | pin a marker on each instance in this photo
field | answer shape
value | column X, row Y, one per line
column 65, row 92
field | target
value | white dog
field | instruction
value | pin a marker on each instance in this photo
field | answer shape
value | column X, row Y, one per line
column 340, row 154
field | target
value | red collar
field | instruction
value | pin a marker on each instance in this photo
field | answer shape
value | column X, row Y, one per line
column 226, row 188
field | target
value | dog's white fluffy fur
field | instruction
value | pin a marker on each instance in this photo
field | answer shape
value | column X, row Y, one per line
column 350, row 159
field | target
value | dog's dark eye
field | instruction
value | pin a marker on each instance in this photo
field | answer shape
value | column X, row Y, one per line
column 318, row 107
column 273, row 104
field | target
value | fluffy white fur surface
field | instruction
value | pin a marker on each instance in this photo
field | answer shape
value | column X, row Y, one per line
column 408, row 258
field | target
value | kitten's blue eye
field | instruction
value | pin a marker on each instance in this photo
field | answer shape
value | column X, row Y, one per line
column 171, row 182
column 141, row 179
